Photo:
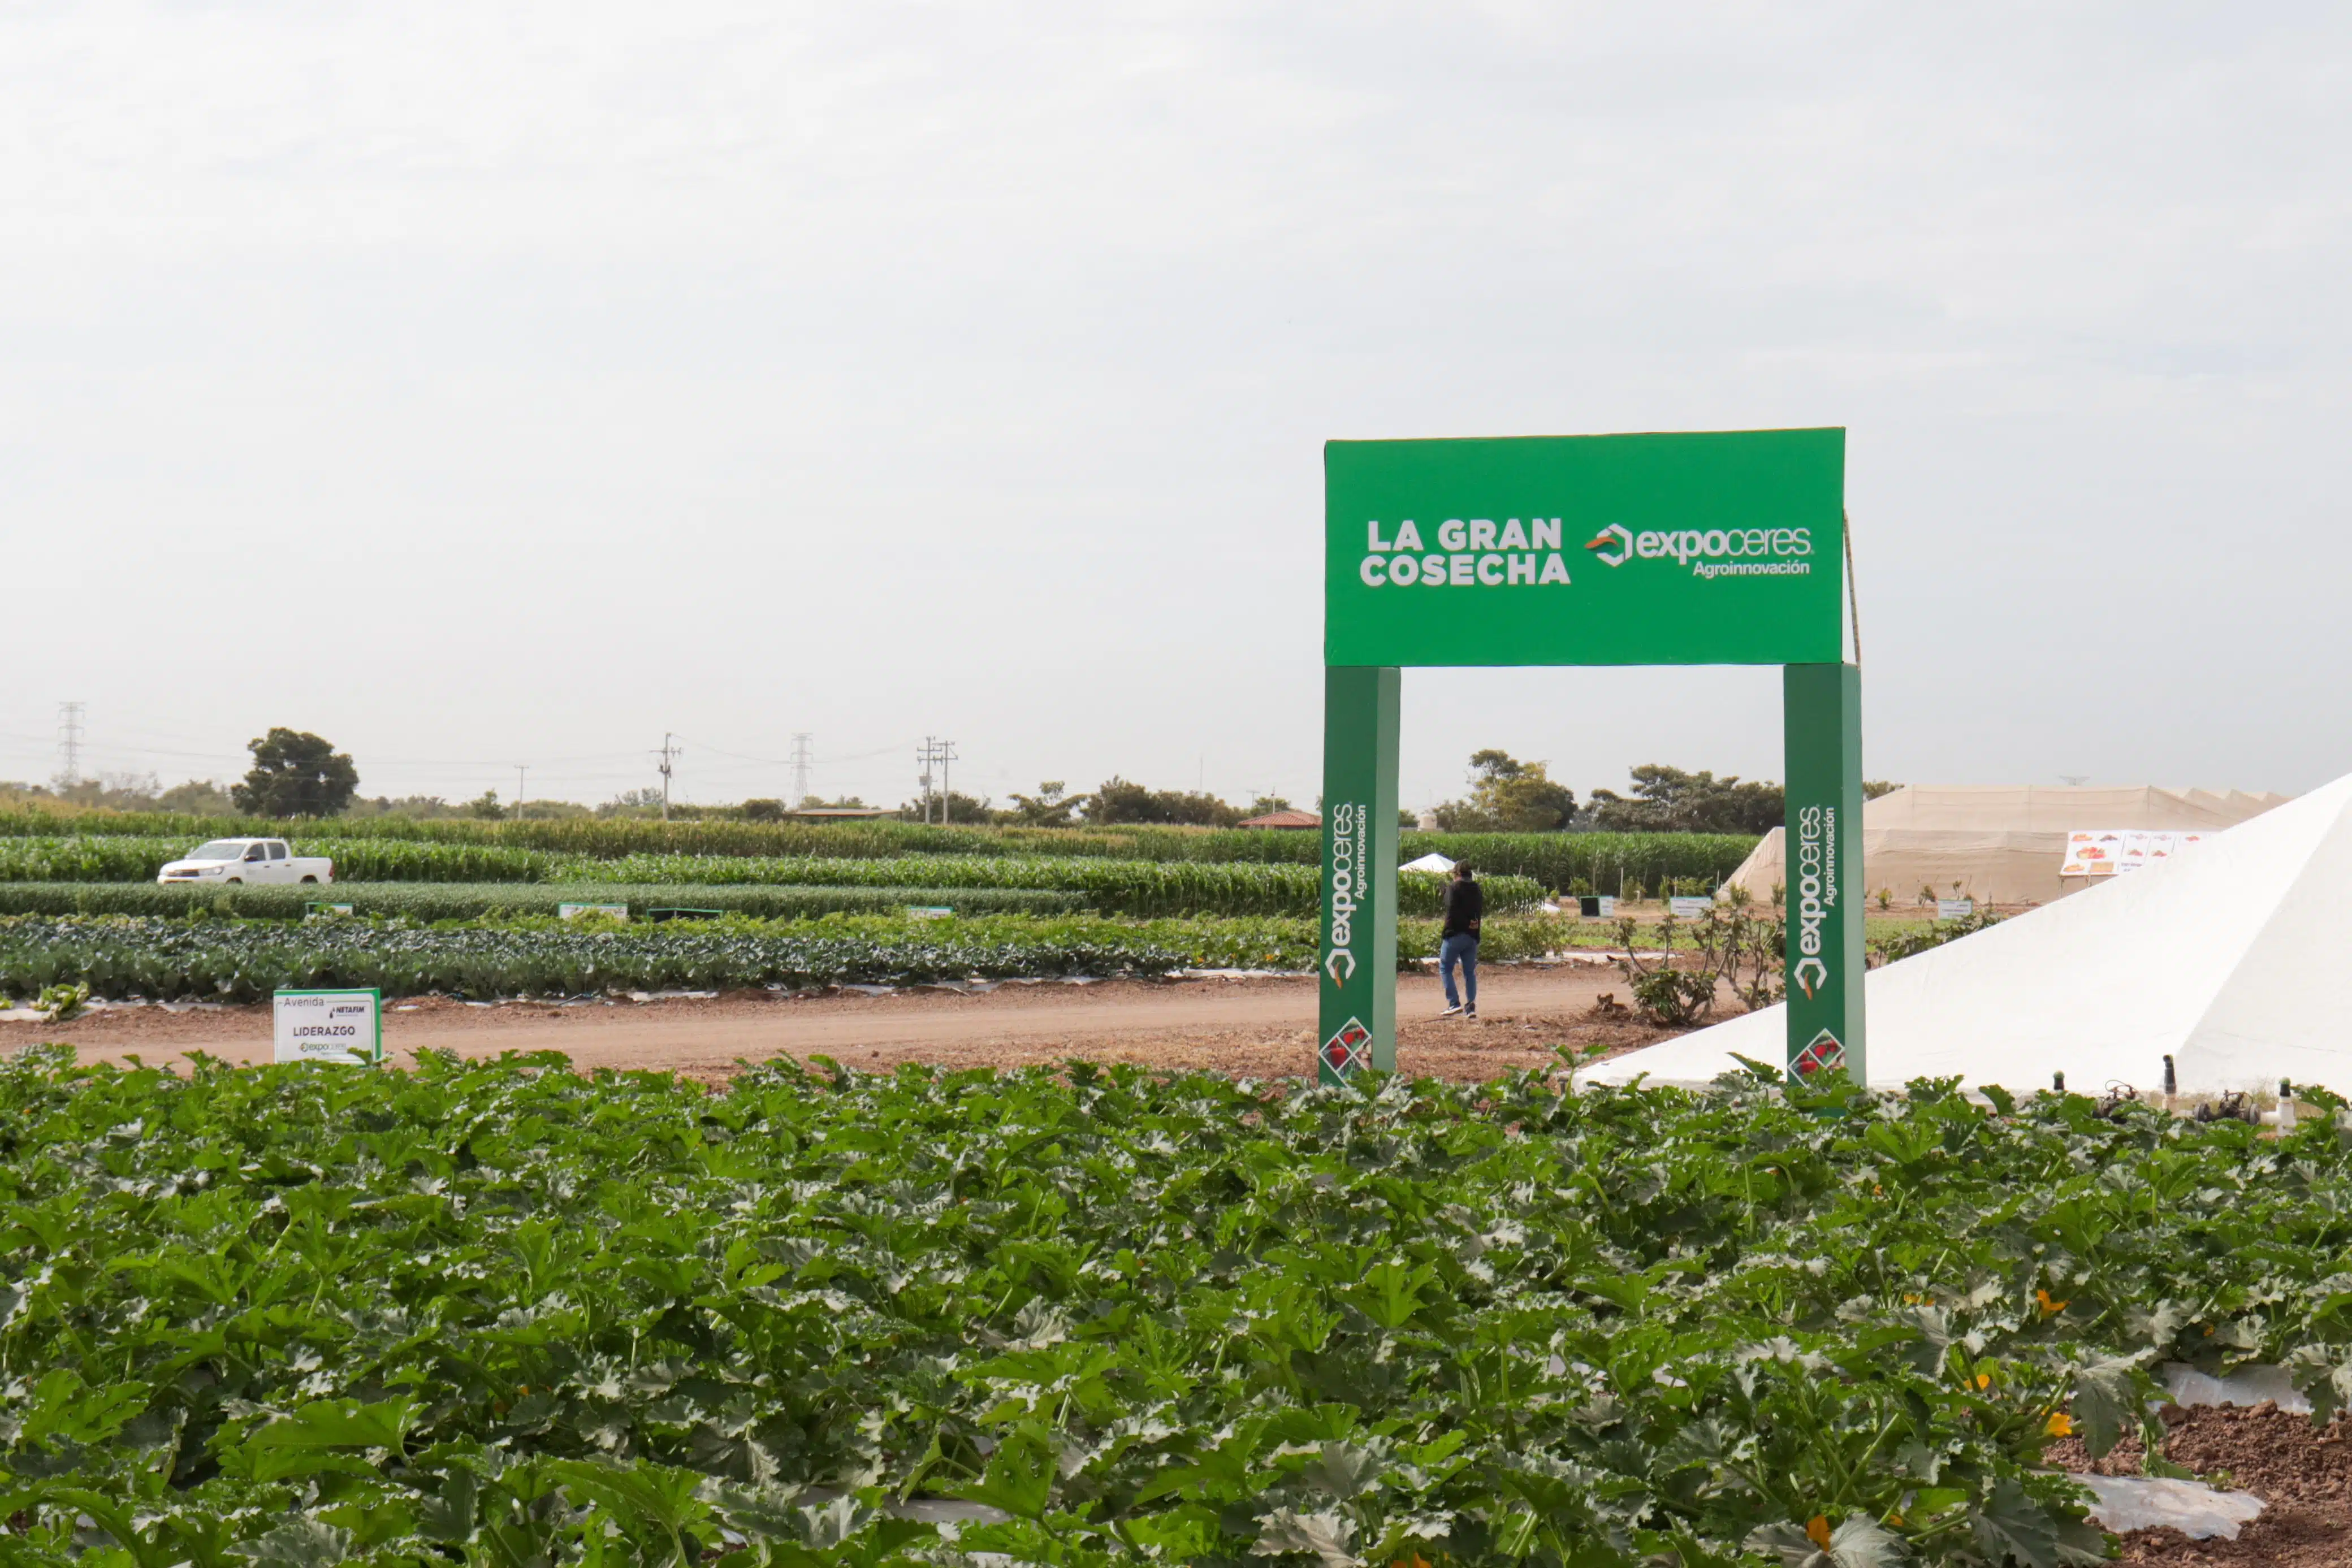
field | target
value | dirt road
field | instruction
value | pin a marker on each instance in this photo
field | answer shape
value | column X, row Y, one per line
column 1263, row 1027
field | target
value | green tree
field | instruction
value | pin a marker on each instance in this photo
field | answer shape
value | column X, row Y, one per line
column 1050, row 807
column 295, row 774
column 486, row 807
column 197, row 797
column 1670, row 801
column 1508, row 796
column 1120, row 801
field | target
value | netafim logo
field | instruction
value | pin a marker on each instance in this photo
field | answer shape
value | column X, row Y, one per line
column 1344, row 873
column 1816, row 894
column 1710, row 552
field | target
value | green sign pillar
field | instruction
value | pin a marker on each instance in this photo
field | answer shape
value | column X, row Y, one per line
column 1358, row 1010
column 1822, row 716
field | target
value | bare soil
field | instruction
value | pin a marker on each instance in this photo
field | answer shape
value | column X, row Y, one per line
column 1256, row 1027
column 2303, row 1473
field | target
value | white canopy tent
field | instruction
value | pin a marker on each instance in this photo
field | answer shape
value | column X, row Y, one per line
column 2223, row 958
column 1433, row 861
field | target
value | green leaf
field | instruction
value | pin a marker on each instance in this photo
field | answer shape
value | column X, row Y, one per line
column 1859, row 1542
column 1019, row 1475
column 2108, row 1399
column 338, row 1424
column 302, row 1542
column 1328, row 1536
column 643, row 1496
column 2009, row 1526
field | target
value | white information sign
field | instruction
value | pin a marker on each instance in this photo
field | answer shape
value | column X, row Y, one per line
column 344, row 1027
column 2104, row 851
column 1955, row 908
column 1689, row 908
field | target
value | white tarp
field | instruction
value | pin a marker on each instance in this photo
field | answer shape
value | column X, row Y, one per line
column 2224, row 959
column 1999, row 843
column 2200, row 1512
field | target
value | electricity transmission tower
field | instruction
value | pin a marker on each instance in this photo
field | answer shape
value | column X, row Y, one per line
column 669, row 754
column 69, row 743
column 802, row 755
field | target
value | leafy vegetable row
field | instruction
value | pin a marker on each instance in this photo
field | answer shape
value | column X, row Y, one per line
column 497, row 1312
column 205, row 958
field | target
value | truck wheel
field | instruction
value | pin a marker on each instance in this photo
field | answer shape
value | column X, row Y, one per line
column 309, row 879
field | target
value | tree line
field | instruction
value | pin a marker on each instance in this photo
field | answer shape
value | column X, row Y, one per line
column 295, row 774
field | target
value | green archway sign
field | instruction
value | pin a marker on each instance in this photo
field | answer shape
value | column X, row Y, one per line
column 1721, row 547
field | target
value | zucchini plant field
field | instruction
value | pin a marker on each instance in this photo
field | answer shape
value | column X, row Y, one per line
column 495, row 1313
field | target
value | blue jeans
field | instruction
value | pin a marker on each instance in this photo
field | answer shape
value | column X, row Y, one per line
column 1461, row 949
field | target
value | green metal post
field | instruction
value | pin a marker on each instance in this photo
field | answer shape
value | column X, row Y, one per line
column 1357, row 1014
column 1821, row 717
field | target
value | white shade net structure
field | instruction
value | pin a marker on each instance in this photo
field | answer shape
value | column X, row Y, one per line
column 2225, row 958
column 2000, row 844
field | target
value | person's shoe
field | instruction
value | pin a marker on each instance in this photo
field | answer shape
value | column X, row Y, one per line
column 1470, row 1015
column 1453, row 1011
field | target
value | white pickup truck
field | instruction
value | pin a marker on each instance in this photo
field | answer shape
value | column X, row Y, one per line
column 247, row 859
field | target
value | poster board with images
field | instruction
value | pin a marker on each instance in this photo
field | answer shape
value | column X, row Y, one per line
column 2109, row 851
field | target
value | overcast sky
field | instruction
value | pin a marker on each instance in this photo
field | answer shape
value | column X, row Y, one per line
column 488, row 385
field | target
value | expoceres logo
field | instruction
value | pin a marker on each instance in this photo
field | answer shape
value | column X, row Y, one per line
column 1709, row 552
column 1345, row 868
column 1814, row 894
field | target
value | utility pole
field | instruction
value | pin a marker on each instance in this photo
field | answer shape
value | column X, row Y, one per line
column 947, row 796
column 802, row 758
column 668, row 754
column 521, row 768
column 927, row 753
column 69, row 743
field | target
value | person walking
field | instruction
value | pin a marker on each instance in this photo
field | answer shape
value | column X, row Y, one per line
column 1465, row 901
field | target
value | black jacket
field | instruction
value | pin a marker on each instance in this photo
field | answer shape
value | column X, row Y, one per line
column 1465, row 902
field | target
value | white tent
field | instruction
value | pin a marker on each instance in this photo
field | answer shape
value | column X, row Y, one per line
column 1996, row 843
column 2223, row 959
column 1433, row 861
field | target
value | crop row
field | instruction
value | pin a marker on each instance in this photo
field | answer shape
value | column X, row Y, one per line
column 1558, row 861
column 498, row 1313
column 1116, row 887
column 245, row 961
column 123, row 956
column 474, row 901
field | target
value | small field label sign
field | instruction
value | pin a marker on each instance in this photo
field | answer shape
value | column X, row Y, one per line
column 342, row 1027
